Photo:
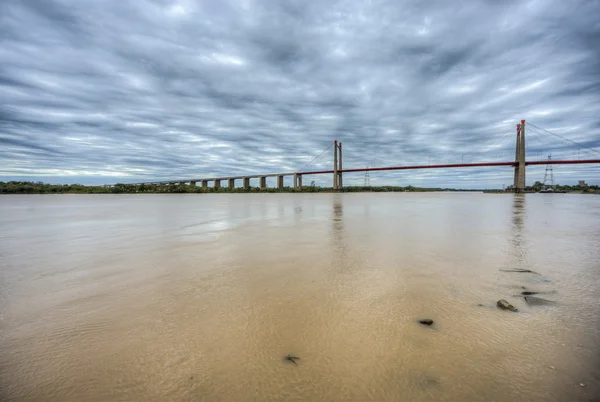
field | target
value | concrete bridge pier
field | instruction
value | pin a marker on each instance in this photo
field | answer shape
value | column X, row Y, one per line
column 246, row 183
column 231, row 184
column 280, row 182
column 204, row 183
column 297, row 181
column 193, row 183
column 217, row 184
column 517, row 156
column 519, row 177
column 340, row 181
column 263, row 182
column 337, row 166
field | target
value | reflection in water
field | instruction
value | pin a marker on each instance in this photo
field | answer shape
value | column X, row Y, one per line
column 519, row 244
column 338, row 214
column 337, row 233
column 339, row 246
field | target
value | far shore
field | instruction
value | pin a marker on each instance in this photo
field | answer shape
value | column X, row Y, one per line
column 44, row 188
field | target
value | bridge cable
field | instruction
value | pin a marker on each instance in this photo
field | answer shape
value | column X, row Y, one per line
column 501, row 139
column 499, row 142
column 545, row 139
column 326, row 149
column 534, row 134
column 566, row 139
column 553, row 145
column 550, row 147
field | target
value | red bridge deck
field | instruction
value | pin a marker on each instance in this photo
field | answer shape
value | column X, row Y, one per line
column 456, row 165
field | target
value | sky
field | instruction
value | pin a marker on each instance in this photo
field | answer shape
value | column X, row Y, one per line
column 100, row 92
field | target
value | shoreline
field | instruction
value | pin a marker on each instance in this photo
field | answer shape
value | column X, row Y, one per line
column 43, row 188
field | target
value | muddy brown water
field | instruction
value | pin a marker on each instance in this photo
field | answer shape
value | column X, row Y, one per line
column 201, row 297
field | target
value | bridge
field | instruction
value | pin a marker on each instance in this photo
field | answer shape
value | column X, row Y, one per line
column 519, row 165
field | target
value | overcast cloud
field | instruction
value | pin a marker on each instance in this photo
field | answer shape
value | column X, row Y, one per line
column 125, row 91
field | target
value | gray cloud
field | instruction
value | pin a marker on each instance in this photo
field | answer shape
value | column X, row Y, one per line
column 155, row 89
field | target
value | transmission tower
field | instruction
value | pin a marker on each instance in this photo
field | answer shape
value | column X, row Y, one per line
column 367, row 178
column 549, row 174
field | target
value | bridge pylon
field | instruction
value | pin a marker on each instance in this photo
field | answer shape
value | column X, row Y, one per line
column 337, row 166
column 519, row 179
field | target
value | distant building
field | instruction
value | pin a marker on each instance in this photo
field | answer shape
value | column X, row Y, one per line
column 582, row 183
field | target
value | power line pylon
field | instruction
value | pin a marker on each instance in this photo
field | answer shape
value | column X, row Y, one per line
column 549, row 174
column 367, row 178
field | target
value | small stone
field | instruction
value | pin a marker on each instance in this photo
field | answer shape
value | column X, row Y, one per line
column 581, row 384
column 504, row 305
column 519, row 270
column 430, row 382
column 538, row 301
column 552, row 367
column 292, row 358
column 426, row 321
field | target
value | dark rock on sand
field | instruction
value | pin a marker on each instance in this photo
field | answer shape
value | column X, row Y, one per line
column 426, row 321
column 529, row 293
column 504, row 305
column 538, row 301
column 519, row 270
column 291, row 359
column 430, row 382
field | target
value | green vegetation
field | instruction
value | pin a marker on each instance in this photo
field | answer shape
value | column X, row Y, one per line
column 26, row 187
column 538, row 186
column 22, row 187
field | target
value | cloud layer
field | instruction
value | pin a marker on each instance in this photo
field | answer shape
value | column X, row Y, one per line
column 126, row 91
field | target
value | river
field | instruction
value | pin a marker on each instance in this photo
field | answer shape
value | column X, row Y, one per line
column 198, row 297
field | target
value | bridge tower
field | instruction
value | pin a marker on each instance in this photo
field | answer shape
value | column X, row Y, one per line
column 517, row 155
column 337, row 166
column 519, row 179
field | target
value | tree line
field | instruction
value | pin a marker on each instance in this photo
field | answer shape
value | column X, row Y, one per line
column 25, row 187
column 538, row 186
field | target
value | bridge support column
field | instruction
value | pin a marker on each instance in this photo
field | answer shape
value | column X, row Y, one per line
column 231, row 184
column 204, row 183
column 246, row 183
column 263, row 182
column 517, row 156
column 217, row 184
column 520, row 182
column 280, row 182
column 299, row 185
column 192, row 183
column 340, row 183
column 335, row 165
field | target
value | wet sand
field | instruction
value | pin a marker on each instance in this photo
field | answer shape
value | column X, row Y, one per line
column 200, row 297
